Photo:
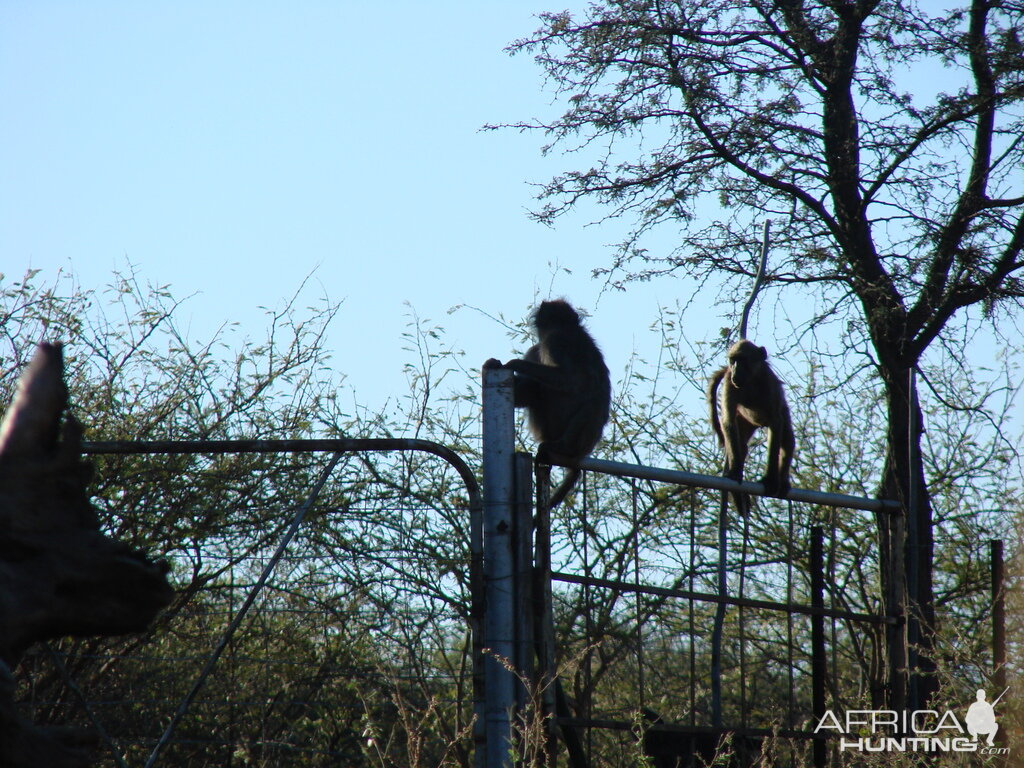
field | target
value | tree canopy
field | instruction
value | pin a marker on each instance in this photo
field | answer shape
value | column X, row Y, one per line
column 887, row 136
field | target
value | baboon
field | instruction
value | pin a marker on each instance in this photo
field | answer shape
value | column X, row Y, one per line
column 751, row 397
column 563, row 383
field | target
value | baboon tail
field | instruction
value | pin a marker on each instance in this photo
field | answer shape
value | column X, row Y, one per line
column 567, row 484
column 712, row 393
column 742, row 502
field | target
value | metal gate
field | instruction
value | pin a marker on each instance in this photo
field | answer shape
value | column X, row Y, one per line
column 762, row 687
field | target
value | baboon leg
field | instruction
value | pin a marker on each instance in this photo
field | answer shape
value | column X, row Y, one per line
column 738, row 436
column 736, row 448
column 780, row 457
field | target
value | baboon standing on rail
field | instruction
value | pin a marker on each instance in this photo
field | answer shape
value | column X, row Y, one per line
column 563, row 382
column 742, row 396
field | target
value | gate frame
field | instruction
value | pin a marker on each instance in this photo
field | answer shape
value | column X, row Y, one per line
column 506, row 580
column 335, row 446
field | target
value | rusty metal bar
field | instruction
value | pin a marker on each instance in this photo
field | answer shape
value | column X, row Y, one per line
column 719, row 626
column 716, row 482
column 707, row 597
column 630, row 725
column 330, row 445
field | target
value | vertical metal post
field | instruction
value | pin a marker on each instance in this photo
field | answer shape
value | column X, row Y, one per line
column 691, row 612
column 586, row 706
column 499, row 567
column 717, row 630
column 998, row 617
column 790, row 554
column 543, row 617
column 741, row 627
column 477, row 611
column 523, row 558
column 819, row 661
column 638, row 604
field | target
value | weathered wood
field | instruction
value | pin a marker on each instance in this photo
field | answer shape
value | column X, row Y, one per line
column 59, row 574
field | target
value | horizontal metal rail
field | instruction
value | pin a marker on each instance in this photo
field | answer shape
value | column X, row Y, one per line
column 331, row 445
column 335, row 445
column 617, row 468
column 625, row 586
column 717, row 482
column 692, row 730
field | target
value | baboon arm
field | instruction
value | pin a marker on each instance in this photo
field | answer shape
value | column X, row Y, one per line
column 781, row 443
column 771, row 475
column 550, row 376
column 526, row 392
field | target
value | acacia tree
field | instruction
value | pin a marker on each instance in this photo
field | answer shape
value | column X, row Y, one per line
column 889, row 134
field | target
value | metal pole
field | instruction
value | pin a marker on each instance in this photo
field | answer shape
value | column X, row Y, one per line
column 720, row 483
column 741, row 628
column 543, row 617
column 638, row 604
column 716, row 632
column 789, row 619
column 499, row 567
column 998, row 617
column 691, row 611
column 818, row 658
column 523, row 547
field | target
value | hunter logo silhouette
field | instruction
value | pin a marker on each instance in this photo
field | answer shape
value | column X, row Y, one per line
column 981, row 718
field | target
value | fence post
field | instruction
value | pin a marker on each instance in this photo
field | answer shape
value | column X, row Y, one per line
column 998, row 617
column 543, row 616
column 819, row 662
column 499, row 568
column 524, row 600
column 719, row 625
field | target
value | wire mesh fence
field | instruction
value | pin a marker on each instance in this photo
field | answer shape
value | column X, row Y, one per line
column 359, row 649
column 636, row 572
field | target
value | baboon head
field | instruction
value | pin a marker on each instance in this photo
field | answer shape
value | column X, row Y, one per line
column 746, row 361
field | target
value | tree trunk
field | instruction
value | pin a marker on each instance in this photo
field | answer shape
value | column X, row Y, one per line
column 906, row 545
column 59, row 574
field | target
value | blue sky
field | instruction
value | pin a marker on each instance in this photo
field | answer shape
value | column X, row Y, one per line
column 230, row 149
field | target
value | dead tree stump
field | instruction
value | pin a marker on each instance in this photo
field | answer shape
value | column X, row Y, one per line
column 59, row 574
